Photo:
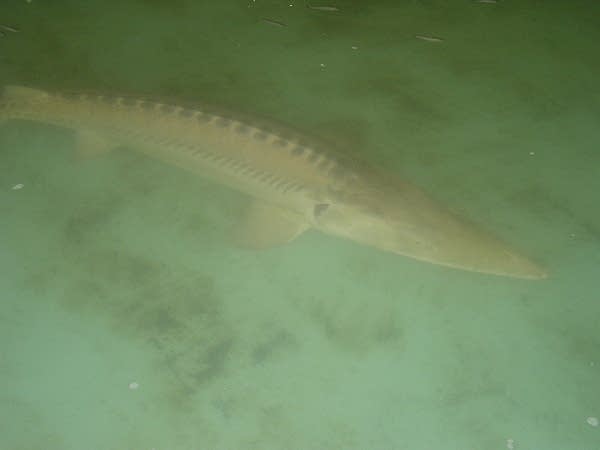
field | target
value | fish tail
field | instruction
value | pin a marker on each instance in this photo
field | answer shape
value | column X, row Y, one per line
column 21, row 94
column 13, row 98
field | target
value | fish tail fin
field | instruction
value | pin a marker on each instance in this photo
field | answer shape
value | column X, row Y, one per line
column 13, row 97
column 23, row 94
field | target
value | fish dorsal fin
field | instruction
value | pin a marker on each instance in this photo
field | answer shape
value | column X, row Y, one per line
column 22, row 93
column 266, row 225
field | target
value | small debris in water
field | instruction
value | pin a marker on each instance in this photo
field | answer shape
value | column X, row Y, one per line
column 274, row 22
column 429, row 38
column 593, row 421
column 134, row 385
column 9, row 28
column 354, row 47
column 510, row 444
column 16, row 187
column 323, row 8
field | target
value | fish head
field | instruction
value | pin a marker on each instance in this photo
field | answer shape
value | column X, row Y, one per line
column 405, row 221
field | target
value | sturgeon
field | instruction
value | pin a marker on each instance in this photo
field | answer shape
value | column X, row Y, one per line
column 294, row 184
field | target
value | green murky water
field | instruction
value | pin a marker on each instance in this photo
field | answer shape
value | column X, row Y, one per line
column 128, row 319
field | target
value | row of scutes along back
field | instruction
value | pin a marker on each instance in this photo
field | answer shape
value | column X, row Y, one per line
column 298, row 147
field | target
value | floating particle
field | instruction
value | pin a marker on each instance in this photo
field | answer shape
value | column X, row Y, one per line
column 134, row 385
column 16, row 187
column 593, row 421
column 275, row 23
column 324, row 8
column 429, row 38
column 9, row 28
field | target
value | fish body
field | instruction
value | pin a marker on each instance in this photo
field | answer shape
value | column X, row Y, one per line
column 294, row 183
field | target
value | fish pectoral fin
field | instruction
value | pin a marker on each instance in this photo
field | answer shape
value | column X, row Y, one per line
column 266, row 225
column 90, row 144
